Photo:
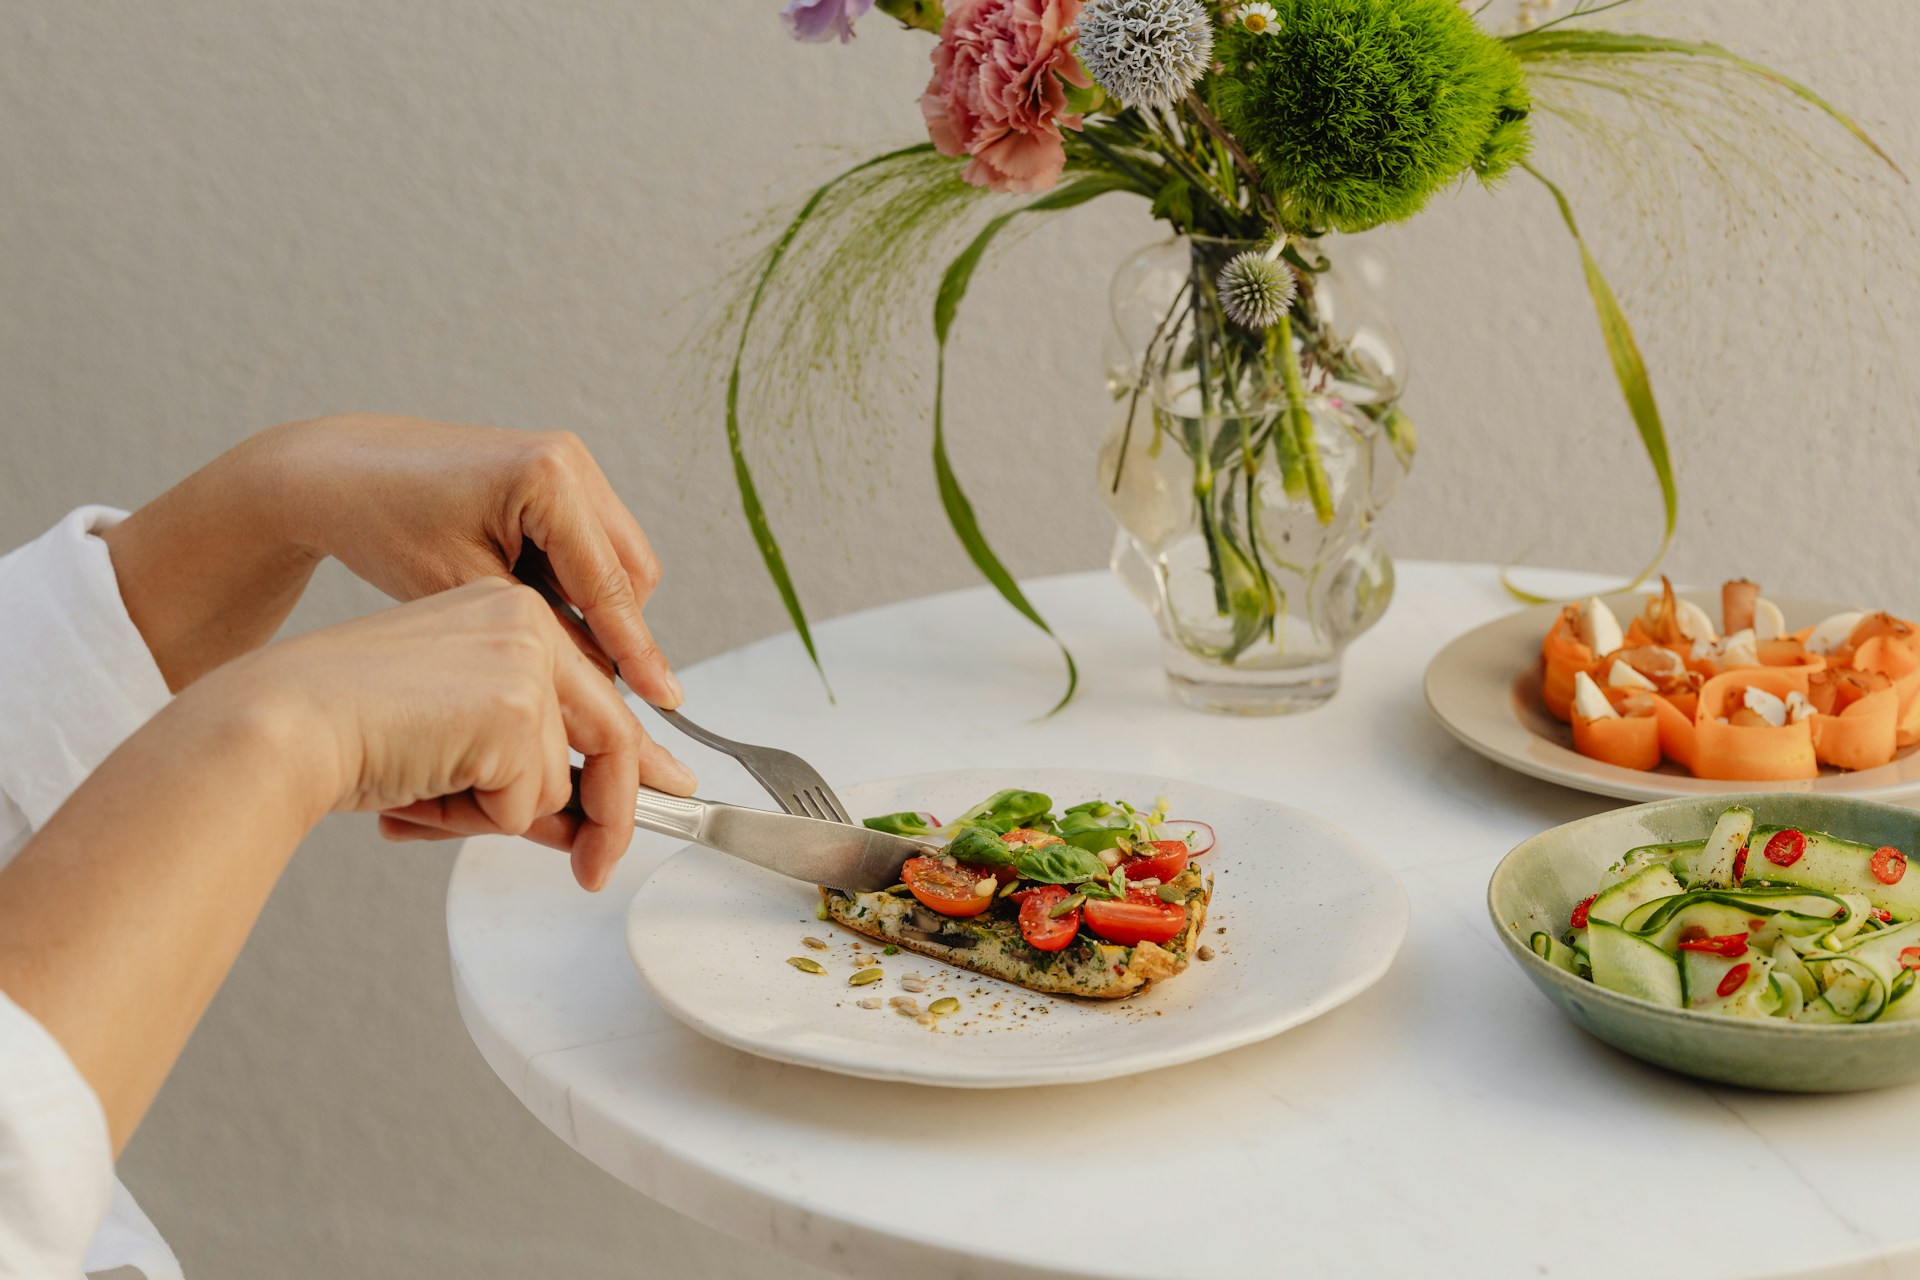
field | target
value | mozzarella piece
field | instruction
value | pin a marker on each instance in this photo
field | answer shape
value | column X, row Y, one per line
column 1738, row 650
column 1768, row 622
column 1798, row 708
column 1599, row 630
column 1588, row 702
column 1622, row 676
column 1766, row 706
column 1832, row 633
column 1693, row 622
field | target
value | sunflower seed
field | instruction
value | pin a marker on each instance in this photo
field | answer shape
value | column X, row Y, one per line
column 913, row 982
column 815, row 943
column 907, row 1005
column 873, row 1003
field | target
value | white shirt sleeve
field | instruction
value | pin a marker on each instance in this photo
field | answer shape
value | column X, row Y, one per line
column 76, row 680
column 75, row 677
column 56, row 1159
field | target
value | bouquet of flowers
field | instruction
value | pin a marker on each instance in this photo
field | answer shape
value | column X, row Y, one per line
column 1260, row 421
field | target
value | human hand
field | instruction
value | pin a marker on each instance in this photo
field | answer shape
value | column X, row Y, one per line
column 452, row 716
column 416, row 507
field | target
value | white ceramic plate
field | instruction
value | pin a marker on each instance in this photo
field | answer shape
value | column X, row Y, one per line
column 1302, row 920
column 1485, row 688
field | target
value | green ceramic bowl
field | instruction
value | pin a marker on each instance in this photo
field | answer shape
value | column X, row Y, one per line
column 1537, row 885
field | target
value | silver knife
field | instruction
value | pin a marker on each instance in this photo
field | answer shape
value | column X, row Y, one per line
column 851, row 857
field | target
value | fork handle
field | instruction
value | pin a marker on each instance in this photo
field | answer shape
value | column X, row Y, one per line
column 706, row 737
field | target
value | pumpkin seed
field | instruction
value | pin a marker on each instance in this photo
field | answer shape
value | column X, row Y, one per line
column 1167, row 893
column 1072, row 902
column 865, row 976
column 1013, row 886
column 899, row 891
column 805, row 965
column 943, row 1006
column 815, row 943
column 820, row 910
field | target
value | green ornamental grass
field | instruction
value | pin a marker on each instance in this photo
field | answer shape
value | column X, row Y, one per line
column 1357, row 111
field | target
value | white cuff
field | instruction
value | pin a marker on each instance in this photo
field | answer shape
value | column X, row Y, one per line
column 56, row 1158
column 76, row 679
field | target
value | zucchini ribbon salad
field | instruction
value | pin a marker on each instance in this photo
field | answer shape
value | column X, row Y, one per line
column 1753, row 922
column 1101, row 901
column 1753, row 703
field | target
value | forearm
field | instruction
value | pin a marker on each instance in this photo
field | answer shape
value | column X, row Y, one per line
column 206, row 570
column 121, row 917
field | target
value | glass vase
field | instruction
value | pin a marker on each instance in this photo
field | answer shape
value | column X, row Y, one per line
column 1246, row 467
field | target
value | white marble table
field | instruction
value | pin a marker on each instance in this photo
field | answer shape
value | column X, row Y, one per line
column 1448, row 1122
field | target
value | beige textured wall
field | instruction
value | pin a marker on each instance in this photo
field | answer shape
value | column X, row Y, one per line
column 218, row 214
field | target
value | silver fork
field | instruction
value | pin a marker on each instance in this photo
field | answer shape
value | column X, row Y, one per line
column 793, row 783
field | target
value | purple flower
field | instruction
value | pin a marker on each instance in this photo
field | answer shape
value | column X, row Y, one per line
column 818, row 20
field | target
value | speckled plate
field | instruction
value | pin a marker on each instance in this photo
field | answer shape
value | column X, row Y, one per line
column 1535, row 887
column 1485, row 688
column 1302, row 920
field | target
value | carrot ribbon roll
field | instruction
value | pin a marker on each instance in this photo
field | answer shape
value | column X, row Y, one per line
column 1756, row 753
column 1565, row 656
column 1893, row 657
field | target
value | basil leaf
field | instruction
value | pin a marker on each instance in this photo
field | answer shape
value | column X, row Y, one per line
column 900, row 824
column 1008, row 810
column 978, row 844
column 1058, row 864
column 1096, row 826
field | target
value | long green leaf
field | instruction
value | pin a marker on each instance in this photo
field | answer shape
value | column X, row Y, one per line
column 946, row 305
column 1579, row 42
column 743, row 476
column 1631, row 373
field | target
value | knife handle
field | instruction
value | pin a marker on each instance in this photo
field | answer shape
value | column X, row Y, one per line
column 656, row 811
column 669, row 815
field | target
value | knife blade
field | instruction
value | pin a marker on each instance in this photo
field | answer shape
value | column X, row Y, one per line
column 854, row 858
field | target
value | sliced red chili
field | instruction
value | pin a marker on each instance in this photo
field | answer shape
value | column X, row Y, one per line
column 1786, row 847
column 1740, row 865
column 1579, row 916
column 1735, row 979
column 1910, row 958
column 1889, row 864
column 1883, row 915
column 1725, row 944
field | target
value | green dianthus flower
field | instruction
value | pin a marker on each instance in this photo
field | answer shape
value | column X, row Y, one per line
column 1357, row 111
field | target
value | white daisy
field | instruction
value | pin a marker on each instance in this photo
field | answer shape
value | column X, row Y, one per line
column 1258, row 17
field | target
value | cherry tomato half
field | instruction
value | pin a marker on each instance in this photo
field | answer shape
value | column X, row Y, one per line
column 1043, row 930
column 1141, row 918
column 1167, row 860
column 1027, row 837
column 950, row 890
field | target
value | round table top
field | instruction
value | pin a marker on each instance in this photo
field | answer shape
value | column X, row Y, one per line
column 1447, row 1120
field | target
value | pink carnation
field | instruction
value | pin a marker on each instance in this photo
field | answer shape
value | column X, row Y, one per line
column 997, row 93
